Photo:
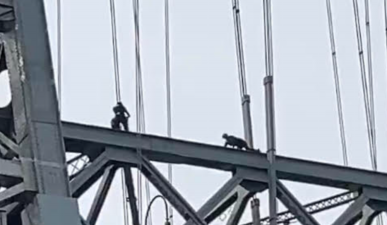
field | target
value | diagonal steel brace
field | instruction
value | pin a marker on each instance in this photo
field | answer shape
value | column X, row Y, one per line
column 169, row 192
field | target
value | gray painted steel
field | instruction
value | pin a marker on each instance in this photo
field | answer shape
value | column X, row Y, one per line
column 10, row 170
column 316, row 207
column 37, row 175
column 36, row 118
column 101, row 194
column 169, row 192
column 131, row 195
column 255, row 212
column 353, row 213
column 240, row 206
column 86, row 178
column 223, row 198
column 294, row 206
column 3, row 217
column 368, row 216
column 216, row 157
column 54, row 210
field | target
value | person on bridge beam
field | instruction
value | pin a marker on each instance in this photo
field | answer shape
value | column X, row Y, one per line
column 239, row 143
column 121, row 117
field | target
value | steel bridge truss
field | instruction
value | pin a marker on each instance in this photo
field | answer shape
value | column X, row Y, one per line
column 39, row 189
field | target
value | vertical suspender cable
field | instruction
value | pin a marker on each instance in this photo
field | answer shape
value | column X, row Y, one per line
column 365, row 90
column 239, row 48
column 245, row 98
column 270, row 111
column 374, row 158
column 385, row 20
column 115, row 50
column 371, row 82
column 138, row 113
column 337, row 83
column 168, row 86
column 140, row 106
column 363, row 77
column 59, row 51
column 385, row 23
column 118, row 95
column 268, row 38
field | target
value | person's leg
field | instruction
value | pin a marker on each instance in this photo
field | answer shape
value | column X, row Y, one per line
column 125, row 124
column 115, row 124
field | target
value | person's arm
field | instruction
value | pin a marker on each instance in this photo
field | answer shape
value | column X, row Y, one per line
column 126, row 111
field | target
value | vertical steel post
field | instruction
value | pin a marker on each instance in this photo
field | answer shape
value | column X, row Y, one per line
column 271, row 152
column 247, row 124
column 255, row 204
column 37, row 120
column 3, row 217
column 270, row 117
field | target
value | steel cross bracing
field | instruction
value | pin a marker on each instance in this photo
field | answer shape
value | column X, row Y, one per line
column 315, row 207
column 120, row 148
column 40, row 191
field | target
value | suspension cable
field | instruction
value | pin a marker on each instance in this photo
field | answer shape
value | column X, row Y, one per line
column 140, row 115
column 239, row 48
column 385, row 30
column 371, row 82
column 168, row 86
column 364, row 79
column 118, row 96
column 337, row 83
column 242, row 74
column 268, row 39
column 371, row 93
column 385, row 20
column 365, row 86
column 115, row 50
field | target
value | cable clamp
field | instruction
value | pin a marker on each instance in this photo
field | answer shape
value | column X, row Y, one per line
column 268, row 80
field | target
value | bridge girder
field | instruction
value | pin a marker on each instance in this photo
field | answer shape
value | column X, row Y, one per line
column 26, row 167
column 167, row 150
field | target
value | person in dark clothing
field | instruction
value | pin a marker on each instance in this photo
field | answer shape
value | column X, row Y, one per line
column 235, row 142
column 121, row 117
column 238, row 143
column 115, row 124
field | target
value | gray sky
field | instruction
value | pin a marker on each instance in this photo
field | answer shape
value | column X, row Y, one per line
column 205, row 82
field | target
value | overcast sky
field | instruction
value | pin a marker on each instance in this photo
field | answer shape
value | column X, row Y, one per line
column 205, row 90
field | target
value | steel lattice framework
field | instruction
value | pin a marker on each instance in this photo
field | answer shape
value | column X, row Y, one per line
column 41, row 191
column 315, row 207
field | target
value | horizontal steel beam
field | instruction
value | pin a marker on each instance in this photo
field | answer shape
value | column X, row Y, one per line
column 11, row 194
column 10, row 169
column 176, row 151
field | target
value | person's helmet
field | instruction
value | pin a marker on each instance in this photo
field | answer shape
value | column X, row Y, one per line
column 119, row 103
column 225, row 135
